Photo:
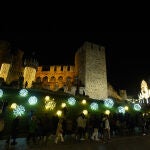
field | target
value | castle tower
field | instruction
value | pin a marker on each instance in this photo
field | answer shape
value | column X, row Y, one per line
column 15, row 66
column 29, row 74
column 90, row 65
column 4, row 52
column 4, row 59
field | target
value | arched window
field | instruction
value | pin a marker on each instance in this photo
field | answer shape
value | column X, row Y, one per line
column 38, row 79
column 53, row 79
column 45, row 79
column 68, row 79
column 60, row 78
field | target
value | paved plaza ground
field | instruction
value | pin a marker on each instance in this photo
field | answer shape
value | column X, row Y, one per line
column 117, row 143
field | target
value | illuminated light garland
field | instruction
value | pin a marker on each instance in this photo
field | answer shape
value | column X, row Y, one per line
column 63, row 105
column 59, row 113
column 13, row 106
column 109, row 103
column 145, row 93
column 32, row 100
column 121, row 109
column 19, row 111
column 94, row 106
column 47, row 98
column 50, row 104
column 126, row 108
column 107, row 112
column 23, row 92
column 83, row 101
column 71, row 101
column 137, row 107
column 85, row 112
column 1, row 93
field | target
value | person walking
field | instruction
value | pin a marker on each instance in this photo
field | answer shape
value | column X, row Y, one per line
column 2, row 124
column 14, row 131
column 106, row 128
column 96, row 125
column 59, row 131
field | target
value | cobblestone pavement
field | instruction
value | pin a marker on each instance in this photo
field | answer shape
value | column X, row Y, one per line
column 122, row 143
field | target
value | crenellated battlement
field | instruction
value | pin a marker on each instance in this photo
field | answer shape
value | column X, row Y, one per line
column 56, row 68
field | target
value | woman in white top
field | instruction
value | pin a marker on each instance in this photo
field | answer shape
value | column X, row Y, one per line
column 107, row 126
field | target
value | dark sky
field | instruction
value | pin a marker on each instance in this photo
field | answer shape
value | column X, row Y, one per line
column 127, row 53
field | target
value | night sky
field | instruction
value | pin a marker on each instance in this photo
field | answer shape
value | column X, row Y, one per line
column 128, row 61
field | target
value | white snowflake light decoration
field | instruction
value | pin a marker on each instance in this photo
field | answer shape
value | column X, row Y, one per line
column 23, row 92
column 71, row 101
column 121, row 109
column 137, row 107
column 19, row 111
column 109, row 103
column 32, row 100
column 1, row 92
column 94, row 106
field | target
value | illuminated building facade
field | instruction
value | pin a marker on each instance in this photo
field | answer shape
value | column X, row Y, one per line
column 55, row 77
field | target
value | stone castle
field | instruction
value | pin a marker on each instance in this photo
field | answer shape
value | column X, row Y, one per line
column 88, row 76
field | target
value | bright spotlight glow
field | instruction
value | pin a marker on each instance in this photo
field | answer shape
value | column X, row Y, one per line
column 137, row 107
column 1, row 92
column 71, row 101
column 94, row 106
column 32, row 100
column 59, row 113
column 107, row 112
column 83, row 101
column 109, row 103
column 13, row 106
column 23, row 92
column 47, row 98
column 85, row 112
column 19, row 111
column 63, row 105
column 126, row 108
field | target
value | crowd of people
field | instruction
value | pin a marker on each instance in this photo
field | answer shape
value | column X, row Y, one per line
column 96, row 127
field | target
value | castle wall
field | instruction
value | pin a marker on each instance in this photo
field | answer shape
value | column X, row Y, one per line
column 57, row 76
column 92, row 70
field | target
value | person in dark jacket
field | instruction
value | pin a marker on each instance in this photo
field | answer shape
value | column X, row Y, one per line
column 14, row 130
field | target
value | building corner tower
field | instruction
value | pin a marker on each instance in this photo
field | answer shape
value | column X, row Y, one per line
column 90, row 65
